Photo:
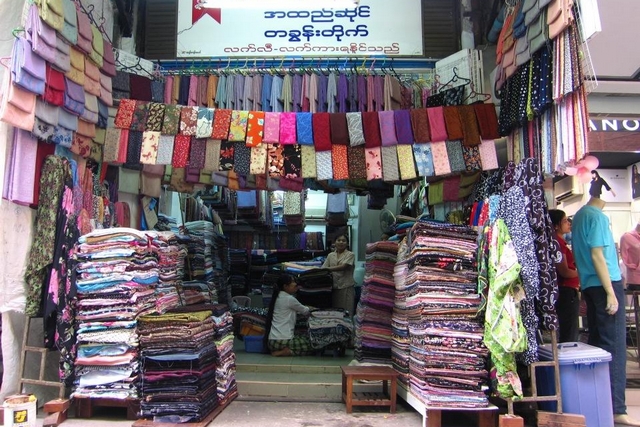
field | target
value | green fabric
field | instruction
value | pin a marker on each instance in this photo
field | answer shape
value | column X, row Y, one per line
column 504, row 333
column 198, row 316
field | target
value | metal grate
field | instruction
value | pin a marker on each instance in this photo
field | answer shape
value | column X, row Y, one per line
column 466, row 63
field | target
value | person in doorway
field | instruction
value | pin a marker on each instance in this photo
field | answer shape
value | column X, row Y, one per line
column 341, row 263
column 597, row 182
column 602, row 288
column 630, row 254
column 635, row 182
column 568, row 304
column 281, row 320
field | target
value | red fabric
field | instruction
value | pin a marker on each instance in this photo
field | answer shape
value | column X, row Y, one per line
column 181, row 148
column 321, row 131
column 221, row 123
column 54, row 89
column 44, row 150
column 371, row 129
column 487, row 120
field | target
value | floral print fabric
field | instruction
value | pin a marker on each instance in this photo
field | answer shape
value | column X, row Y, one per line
column 374, row 163
column 181, row 149
column 309, row 169
column 258, row 164
column 238, row 125
column 227, row 150
column 292, row 161
column 357, row 162
column 205, row 123
column 188, row 120
column 275, row 159
column 171, row 120
column 156, row 116
column 255, row 128
column 340, row 161
column 124, row 116
column 221, row 123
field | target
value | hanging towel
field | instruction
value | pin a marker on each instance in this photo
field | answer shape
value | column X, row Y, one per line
column 149, row 152
column 452, row 123
column 487, row 120
column 221, row 123
column 73, row 97
column 171, row 119
column 424, row 159
column 62, row 137
column 371, row 128
column 437, row 125
column 288, row 128
column 140, row 114
column 124, row 116
column 21, row 170
column 212, row 156
column 205, row 123
column 321, row 132
column 324, row 165
column 271, row 128
column 440, row 158
column 111, row 145
column 339, row 129
column 81, row 145
column 420, row 125
column 197, row 153
column 258, row 162
column 374, row 161
column 340, row 161
column 404, row 133
column 470, row 131
column 304, row 128
column 308, row 154
column 42, row 130
column 354, row 125
column 406, row 161
column 390, row 170
column 90, row 112
column 46, row 112
column 455, row 155
column 165, row 150
column 181, row 148
column 255, row 128
column 387, row 128
column 238, row 126
column 488, row 155
column 188, row 121
column 52, row 12
column 357, row 162
column 86, row 129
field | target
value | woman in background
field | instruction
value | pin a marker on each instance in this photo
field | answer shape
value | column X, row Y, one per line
column 281, row 320
column 341, row 263
column 597, row 182
column 568, row 305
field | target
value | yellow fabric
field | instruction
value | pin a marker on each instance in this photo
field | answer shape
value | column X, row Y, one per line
column 51, row 12
column 98, row 46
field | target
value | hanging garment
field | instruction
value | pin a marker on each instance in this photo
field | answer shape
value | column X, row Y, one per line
column 238, row 125
column 288, row 134
column 255, row 128
column 339, row 130
column 271, row 128
column 321, row 132
column 188, row 120
column 204, row 123
column 354, row 126
column 424, row 159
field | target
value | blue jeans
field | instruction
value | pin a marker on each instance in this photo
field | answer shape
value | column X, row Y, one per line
column 609, row 333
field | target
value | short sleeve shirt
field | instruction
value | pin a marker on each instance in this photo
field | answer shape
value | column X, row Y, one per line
column 341, row 279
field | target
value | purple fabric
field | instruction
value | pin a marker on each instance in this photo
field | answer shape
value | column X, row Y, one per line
column 28, row 70
column 193, row 90
column 343, row 93
column 322, row 93
column 21, row 171
column 362, row 93
column 353, row 93
column 387, row 128
column 404, row 131
column 378, row 93
column 238, row 92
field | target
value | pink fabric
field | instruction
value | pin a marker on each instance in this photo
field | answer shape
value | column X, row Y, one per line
column 387, row 128
column 374, row 163
column 168, row 89
column 271, row 128
column 488, row 155
column 17, row 106
column 124, row 145
column 288, row 128
column 440, row 158
column 437, row 124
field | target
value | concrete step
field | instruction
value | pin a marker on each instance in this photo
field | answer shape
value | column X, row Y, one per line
column 299, row 383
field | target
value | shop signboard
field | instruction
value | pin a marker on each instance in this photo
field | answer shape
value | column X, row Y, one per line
column 369, row 28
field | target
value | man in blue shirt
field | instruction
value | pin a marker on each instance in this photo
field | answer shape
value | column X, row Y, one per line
column 597, row 261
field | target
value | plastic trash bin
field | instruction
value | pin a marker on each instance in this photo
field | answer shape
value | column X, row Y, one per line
column 584, row 382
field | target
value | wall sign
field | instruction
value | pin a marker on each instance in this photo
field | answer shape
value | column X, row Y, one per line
column 614, row 125
column 374, row 27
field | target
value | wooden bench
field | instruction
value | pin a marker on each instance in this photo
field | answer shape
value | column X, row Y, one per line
column 387, row 375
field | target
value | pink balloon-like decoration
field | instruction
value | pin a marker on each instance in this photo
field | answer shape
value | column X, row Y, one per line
column 571, row 171
column 584, row 175
column 591, row 162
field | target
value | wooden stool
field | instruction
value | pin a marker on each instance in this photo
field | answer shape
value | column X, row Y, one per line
column 370, row 373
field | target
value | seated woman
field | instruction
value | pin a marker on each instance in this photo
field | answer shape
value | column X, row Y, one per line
column 281, row 321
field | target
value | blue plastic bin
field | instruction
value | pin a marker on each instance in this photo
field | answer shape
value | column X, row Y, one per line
column 584, row 382
column 253, row 343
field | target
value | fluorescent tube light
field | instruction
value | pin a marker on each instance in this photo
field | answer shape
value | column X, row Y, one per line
column 270, row 4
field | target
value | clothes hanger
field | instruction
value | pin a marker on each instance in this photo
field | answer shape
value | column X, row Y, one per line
column 473, row 94
column 455, row 79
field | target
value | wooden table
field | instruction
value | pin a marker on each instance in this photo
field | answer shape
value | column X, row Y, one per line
column 370, row 373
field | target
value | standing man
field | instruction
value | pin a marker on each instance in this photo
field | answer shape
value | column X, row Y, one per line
column 601, row 282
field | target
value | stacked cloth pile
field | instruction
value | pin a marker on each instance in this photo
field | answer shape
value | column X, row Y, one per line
column 447, row 360
column 221, row 267
column 238, row 275
column 373, row 315
column 172, row 251
column 179, row 366
column 331, row 326
column 400, row 318
column 200, row 250
column 316, row 288
column 167, row 223
column 116, row 273
column 225, row 357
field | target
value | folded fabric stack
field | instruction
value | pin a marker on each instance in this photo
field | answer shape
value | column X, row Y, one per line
column 316, row 288
column 447, row 356
column 225, row 357
column 400, row 318
column 194, row 292
column 221, row 267
column 330, row 326
column 171, row 259
column 167, row 223
column 179, row 366
column 117, row 272
column 238, row 278
column 373, row 315
column 200, row 250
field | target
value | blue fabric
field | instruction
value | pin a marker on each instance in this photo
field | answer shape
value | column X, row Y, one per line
column 304, row 128
column 267, row 80
column 246, row 199
column 590, row 229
